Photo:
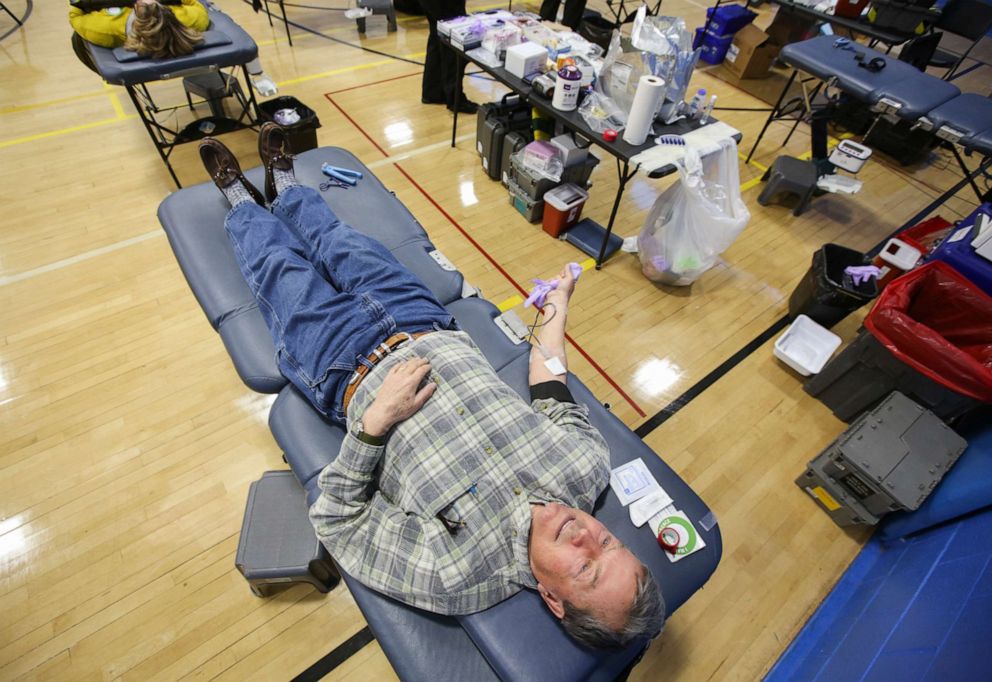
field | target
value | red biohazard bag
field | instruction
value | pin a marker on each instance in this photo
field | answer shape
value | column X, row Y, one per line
column 940, row 324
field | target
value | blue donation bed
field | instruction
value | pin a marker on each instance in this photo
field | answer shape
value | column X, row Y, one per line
column 897, row 90
column 225, row 44
column 518, row 639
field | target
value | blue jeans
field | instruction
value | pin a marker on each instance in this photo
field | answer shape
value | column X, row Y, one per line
column 329, row 294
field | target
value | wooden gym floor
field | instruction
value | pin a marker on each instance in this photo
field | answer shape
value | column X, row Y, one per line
column 128, row 442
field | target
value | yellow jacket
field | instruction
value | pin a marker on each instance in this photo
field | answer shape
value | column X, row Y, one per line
column 106, row 30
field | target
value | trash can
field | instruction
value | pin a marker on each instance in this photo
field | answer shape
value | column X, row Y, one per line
column 827, row 295
column 959, row 251
column 928, row 336
column 303, row 133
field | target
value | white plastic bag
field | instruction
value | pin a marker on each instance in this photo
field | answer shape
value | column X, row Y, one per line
column 694, row 220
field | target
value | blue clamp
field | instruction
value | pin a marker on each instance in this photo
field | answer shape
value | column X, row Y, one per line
column 341, row 174
column 843, row 44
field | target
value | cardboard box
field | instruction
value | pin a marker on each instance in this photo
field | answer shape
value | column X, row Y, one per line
column 751, row 53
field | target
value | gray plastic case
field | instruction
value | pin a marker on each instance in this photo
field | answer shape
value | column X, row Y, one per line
column 890, row 459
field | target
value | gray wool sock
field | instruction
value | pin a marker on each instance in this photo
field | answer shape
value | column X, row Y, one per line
column 283, row 179
column 237, row 193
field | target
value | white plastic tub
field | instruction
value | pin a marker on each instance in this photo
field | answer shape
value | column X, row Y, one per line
column 806, row 346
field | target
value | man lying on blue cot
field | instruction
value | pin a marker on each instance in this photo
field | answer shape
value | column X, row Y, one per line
column 449, row 493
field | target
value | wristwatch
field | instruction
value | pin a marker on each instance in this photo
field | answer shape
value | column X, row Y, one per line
column 358, row 431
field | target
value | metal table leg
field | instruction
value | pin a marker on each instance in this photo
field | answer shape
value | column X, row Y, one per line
column 771, row 115
column 159, row 144
column 967, row 173
column 623, row 175
column 458, row 94
column 285, row 21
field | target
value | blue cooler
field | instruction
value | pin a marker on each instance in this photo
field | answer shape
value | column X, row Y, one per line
column 957, row 251
column 728, row 19
column 714, row 46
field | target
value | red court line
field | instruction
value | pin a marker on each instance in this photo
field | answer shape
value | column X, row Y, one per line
column 354, row 123
column 485, row 253
column 365, row 85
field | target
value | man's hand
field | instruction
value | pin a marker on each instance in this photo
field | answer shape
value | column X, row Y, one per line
column 399, row 397
column 563, row 292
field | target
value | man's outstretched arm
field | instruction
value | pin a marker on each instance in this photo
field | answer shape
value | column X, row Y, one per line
column 547, row 360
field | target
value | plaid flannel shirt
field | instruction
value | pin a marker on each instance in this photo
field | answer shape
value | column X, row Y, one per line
column 475, row 454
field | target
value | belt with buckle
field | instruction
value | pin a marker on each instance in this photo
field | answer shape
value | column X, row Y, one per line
column 377, row 354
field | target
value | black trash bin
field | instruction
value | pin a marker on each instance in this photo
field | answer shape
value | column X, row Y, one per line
column 303, row 133
column 826, row 294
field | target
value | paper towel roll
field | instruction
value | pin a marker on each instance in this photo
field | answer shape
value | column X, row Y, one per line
column 646, row 98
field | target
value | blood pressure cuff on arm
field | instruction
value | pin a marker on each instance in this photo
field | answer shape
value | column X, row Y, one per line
column 551, row 389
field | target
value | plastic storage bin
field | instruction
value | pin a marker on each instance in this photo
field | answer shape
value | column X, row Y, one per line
column 826, row 295
column 302, row 134
column 530, row 208
column 957, row 251
column 579, row 173
column 806, row 346
column 865, row 372
column 530, row 182
column 926, row 236
column 929, row 335
column 889, row 460
column 563, row 208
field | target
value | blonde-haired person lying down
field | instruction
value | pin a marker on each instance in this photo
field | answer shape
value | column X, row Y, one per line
column 154, row 30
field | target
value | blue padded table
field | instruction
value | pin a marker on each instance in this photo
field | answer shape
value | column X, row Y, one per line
column 913, row 93
column 896, row 89
column 225, row 44
column 965, row 120
column 517, row 639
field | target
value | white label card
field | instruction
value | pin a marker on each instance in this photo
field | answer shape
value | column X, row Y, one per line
column 632, row 481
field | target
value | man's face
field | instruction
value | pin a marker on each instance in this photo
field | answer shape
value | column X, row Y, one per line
column 575, row 558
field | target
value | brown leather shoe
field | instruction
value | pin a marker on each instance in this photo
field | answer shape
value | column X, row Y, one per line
column 273, row 148
column 223, row 167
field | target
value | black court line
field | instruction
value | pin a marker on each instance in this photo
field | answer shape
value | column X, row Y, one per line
column 342, row 653
column 697, row 388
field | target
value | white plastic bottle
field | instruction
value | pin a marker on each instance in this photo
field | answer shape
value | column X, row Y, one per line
column 708, row 111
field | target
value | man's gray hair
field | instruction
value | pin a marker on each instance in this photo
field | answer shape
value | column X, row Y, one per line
column 644, row 619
